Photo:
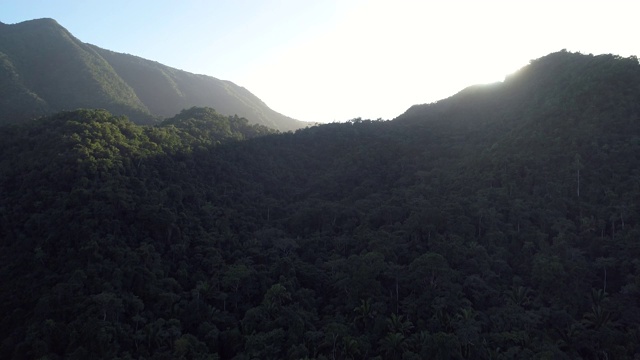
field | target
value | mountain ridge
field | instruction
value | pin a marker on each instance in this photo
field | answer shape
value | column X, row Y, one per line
column 542, row 73
column 65, row 73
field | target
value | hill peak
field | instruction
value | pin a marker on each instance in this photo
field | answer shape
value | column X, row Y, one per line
column 553, row 82
column 41, row 22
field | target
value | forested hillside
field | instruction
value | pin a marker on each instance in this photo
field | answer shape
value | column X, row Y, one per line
column 165, row 91
column 500, row 223
column 45, row 69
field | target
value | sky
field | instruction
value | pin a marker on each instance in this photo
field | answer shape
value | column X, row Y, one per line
column 335, row 60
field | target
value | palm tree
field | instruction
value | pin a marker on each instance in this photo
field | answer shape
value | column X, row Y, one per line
column 397, row 324
column 393, row 345
column 364, row 313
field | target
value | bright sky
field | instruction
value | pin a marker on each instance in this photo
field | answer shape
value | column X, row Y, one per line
column 334, row 60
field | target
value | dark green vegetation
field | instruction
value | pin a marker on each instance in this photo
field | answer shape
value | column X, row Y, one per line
column 501, row 223
column 45, row 69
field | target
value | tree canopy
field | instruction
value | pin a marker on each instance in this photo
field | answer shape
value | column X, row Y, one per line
column 497, row 224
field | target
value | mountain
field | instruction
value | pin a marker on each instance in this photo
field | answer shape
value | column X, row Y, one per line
column 499, row 223
column 45, row 69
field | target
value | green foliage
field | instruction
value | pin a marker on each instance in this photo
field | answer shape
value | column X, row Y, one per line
column 204, row 126
column 454, row 232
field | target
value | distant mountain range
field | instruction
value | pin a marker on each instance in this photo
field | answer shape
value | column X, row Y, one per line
column 45, row 69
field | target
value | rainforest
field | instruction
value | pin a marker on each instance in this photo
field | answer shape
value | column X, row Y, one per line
column 499, row 223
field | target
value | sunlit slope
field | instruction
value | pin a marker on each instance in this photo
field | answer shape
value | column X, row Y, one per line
column 164, row 89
